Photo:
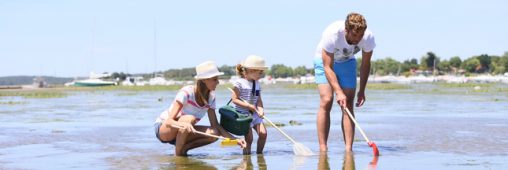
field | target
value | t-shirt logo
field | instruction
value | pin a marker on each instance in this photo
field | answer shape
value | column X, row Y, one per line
column 345, row 53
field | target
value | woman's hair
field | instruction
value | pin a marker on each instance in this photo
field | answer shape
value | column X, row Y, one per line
column 355, row 22
column 202, row 93
column 240, row 70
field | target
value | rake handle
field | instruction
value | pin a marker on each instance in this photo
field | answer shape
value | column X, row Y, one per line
column 280, row 130
column 201, row 133
column 356, row 123
column 264, row 117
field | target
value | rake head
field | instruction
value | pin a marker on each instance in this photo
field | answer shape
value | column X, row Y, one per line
column 374, row 148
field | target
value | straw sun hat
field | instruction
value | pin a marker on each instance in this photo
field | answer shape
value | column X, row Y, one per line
column 205, row 70
column 254, row 62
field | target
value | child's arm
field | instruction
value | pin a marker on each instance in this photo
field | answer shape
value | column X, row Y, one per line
column 239, row 102
column 259, row 107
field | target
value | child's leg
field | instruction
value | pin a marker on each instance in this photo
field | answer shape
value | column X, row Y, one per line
column 248, row 140
column 262, row 134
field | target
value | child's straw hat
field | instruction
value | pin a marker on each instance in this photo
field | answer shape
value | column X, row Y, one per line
column 254, row 62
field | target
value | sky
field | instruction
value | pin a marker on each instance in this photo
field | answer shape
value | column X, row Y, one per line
column 73, row 38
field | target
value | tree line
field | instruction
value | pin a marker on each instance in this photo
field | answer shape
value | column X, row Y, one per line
column 428, row 64
column 433, row 64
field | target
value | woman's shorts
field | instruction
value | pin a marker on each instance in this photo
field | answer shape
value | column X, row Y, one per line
column 345, row 72
column 157, row 126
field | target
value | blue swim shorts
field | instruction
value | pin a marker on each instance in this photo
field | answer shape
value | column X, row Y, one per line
column 157, row 126
column 345, row 72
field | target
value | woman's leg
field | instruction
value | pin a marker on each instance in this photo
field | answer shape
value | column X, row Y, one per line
column 198, row 140
column 262, row 134
column 186, row 141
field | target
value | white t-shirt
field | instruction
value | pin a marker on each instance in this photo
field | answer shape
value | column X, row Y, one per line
column 245, row 88
column 187, row 97
column 334, row 41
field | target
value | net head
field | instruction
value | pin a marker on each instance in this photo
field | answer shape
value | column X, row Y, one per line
column 228, row 142
column 301, row 150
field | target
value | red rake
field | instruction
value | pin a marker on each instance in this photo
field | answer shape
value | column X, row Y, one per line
column 371, row 143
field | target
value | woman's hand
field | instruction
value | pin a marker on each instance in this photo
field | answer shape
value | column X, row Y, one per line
column 187, row 128
column 241, row 143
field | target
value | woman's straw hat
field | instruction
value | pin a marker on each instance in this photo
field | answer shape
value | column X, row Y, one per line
column 254, row 62
column 205, row 70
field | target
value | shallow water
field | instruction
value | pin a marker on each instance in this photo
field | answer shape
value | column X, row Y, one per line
column 424, row 127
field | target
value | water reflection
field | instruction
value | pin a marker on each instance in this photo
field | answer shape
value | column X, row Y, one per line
column 298, row 162
column 181, row 162
column 373, row 163
column 323, row 161
column 246, row 163
column 348, row 162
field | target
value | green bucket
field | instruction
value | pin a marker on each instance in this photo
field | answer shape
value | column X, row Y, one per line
column 234, row 121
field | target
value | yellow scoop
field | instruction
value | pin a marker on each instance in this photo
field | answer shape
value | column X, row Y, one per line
column 229, row 142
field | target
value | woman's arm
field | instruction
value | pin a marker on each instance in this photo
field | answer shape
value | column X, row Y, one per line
column 177, row 107
column 215, row 124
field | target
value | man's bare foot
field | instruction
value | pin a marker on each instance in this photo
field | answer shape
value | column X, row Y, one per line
column 323, row 148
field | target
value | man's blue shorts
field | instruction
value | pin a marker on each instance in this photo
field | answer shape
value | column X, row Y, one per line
column 345, row 72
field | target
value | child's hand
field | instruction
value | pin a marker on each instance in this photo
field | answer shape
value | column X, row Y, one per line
column 260, row 112
column 252, row 108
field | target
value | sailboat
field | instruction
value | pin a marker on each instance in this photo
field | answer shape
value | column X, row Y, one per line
column 94, row 81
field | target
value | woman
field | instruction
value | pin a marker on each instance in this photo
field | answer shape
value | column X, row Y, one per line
column 177, row 124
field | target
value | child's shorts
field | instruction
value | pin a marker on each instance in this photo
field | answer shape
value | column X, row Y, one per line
column 255, row 120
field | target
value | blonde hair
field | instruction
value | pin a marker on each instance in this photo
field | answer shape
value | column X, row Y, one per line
column 202, row 93
column 240, row 70
column 355, row 22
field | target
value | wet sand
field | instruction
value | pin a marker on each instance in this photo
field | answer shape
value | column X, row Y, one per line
column 425, row 127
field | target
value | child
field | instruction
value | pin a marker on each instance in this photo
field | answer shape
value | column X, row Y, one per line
column 247, row 98
column 177, row 124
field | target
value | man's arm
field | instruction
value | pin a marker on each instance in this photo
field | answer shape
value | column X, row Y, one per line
column 332, row 77
column 364, row 76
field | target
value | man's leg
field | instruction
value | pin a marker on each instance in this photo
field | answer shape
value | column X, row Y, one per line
column 346, row 74
column 323, row 115
column 348, row 127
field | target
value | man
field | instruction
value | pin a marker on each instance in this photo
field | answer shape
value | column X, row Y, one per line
column 335, row 72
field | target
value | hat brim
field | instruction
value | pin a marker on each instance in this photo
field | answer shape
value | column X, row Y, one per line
column 257, row 68
column 206, row 76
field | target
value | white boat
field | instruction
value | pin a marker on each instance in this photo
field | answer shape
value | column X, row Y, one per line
column 93, row 83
